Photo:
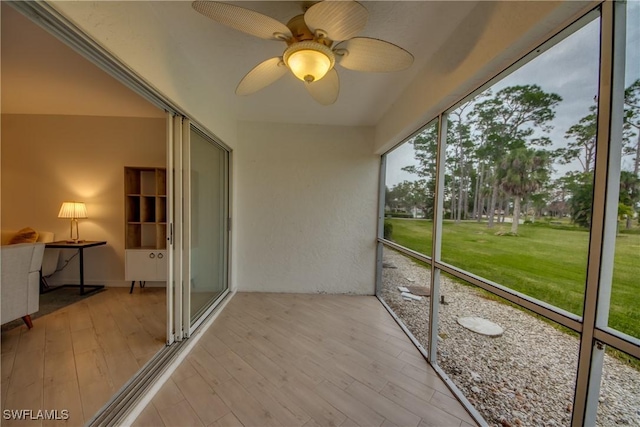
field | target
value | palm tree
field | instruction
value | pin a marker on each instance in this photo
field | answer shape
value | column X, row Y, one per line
column 523, row 172
column 629, row 194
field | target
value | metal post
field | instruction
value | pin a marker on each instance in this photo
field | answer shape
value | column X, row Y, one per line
column 380, row 234
column 436, row 243
column 604, row 212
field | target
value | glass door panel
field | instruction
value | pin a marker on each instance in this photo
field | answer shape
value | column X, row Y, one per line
column 207, row 176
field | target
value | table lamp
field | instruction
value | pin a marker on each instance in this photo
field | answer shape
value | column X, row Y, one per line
column 73, row 210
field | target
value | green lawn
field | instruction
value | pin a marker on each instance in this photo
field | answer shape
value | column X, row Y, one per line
column 547, row 262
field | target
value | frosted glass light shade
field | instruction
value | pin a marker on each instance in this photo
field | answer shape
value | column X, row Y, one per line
column 309, row 61
column 73, row 210
column 309, row 65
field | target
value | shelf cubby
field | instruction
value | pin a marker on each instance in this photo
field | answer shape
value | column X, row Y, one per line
column 145, row 213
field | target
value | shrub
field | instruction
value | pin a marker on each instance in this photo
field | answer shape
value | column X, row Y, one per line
column 388, row 230
column 398, row 215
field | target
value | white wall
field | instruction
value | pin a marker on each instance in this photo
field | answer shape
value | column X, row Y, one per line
column 48, row 159
column 306, row 209
column 133, row 32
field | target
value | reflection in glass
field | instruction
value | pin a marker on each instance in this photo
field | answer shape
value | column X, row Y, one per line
column 519, row 175
column 398, row 272
column 524, row 375
column 208, row 223
column 623, row 311
column 410, row 186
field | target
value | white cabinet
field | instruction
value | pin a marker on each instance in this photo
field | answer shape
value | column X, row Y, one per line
column 145, row 211
column 145, row 265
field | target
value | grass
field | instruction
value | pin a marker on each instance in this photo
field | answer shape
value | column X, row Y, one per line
column 545, row 261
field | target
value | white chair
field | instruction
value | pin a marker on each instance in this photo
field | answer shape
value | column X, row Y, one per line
column 51, row 256
column 20, row 281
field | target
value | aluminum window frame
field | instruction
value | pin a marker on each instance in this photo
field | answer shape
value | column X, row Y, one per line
column 592, row 326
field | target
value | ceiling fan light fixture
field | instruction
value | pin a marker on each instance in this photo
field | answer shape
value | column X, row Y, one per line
column 309, row 61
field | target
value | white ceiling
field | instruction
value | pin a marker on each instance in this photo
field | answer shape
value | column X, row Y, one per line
column 39, row 74
column 224, row 56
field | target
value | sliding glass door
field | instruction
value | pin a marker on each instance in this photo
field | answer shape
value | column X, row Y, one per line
column 207, row 219
column 198, row 227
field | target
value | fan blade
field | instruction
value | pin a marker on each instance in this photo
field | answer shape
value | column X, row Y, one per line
column 245, row 20
column 261, row 76
column 340, row 20
column 365, row 54
column 325, row 90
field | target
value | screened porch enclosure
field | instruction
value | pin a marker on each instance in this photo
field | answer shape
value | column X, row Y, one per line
column 514, row 213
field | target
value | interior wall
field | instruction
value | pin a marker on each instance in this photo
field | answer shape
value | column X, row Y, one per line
column 48, row 159
column 306, row 209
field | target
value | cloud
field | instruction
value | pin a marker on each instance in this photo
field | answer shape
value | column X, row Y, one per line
column 570, row 69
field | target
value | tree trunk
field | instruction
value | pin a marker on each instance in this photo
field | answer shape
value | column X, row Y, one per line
column 460, row 197
column 467, row 184
column 460, row 179
column 629, row 222
column 477, row 205
column 492, row 205
column 505, row 209
column 636, row 163
column 516, row 215
column 483, row 208
column 452, row 203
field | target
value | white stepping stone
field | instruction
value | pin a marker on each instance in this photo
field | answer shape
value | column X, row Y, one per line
column 403, row 289
column 411, row 296
column 481, row 326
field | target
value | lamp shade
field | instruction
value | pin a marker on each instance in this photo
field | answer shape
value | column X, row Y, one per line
column 309, row 61
column 73, row 210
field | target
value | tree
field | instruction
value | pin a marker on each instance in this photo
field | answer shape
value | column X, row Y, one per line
column 560, row 195
column 409, row 196
column 580, row 186
column 425, row 146
column 523, row 172
column 460, row 148
column 582, row 142
column 399, row 197
column 632, row 122
column 509, row 120
column 629, row 194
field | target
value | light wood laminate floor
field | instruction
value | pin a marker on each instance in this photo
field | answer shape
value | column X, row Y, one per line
column 76, row 358
column 304, row 360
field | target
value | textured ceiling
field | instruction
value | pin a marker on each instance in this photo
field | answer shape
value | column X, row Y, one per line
column 39, row 74
column 226, row 55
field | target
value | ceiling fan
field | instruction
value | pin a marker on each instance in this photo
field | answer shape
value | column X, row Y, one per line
column 316, row 41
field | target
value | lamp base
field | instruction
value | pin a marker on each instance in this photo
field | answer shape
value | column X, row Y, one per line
column 71, row 239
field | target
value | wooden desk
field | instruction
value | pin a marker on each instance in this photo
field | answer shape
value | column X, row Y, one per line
column 80, row 246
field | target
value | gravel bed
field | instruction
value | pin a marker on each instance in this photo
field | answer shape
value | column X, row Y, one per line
column 525, row 377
